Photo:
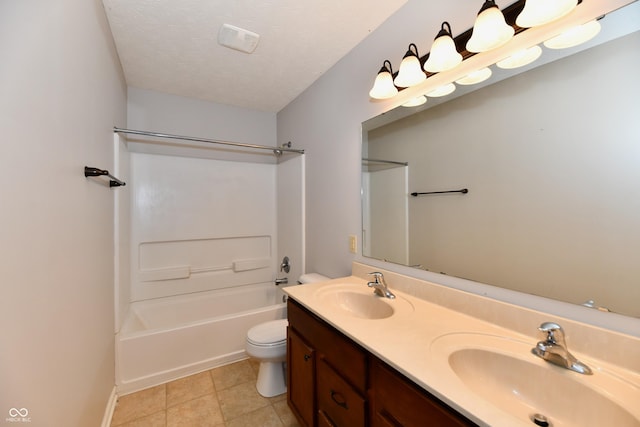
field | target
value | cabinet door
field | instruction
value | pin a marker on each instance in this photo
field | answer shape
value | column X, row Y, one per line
column 338, row 402
column 323, row 421
column 397, row 402
column 300, row 372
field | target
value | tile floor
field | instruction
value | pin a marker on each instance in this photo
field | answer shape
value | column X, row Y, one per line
column 222, row 397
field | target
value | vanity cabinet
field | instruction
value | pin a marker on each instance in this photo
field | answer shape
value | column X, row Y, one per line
column 335, row 382
column 301, row 373
column 396, row 401
column 327, row 372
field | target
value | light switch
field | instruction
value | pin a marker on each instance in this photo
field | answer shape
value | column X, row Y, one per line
column 353, row 244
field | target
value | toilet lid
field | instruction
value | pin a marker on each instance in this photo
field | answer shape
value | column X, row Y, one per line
column 268, row 333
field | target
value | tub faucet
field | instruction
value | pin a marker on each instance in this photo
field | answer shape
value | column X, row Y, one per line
column 554, row 349
column 380, row 286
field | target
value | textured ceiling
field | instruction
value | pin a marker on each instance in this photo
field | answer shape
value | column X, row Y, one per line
column 171, row 45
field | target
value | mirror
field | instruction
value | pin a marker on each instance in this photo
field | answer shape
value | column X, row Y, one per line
column 551, row 161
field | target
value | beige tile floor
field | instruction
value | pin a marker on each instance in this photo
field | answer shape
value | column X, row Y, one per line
column 222, row 397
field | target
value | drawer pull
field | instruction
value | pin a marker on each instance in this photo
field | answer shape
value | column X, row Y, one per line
column 307, row 357
column 339, row 399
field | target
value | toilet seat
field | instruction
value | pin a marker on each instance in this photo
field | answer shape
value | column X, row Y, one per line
column 268, row 334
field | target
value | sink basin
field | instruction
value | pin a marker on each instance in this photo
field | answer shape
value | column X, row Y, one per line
column 360, row 302
column 506, row 376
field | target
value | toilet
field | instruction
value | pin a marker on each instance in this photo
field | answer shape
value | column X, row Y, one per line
column 267, row 342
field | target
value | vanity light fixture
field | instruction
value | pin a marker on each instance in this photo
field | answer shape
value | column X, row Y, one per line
column 410, row 73
column 475, row 77
column 443, row 55
column 383, row 87
column 540, row 12
column 574, row 36
column 443, row 90
column 520, row 58
column 415, row 102
column 490, row 30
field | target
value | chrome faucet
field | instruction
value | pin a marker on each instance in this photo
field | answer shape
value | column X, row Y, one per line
column 554, row 349
column 380, row 286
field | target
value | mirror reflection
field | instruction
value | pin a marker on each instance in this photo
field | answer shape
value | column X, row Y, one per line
column 551, row 161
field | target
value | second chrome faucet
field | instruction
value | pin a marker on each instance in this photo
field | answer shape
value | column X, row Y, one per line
column 380, row 286
column 554, row 349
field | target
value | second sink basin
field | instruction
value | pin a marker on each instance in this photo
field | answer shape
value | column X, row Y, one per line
column 359, row 301
column 504, row 374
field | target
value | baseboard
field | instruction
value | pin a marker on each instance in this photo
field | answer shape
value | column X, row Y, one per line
column 111, row 406
column 137, row 384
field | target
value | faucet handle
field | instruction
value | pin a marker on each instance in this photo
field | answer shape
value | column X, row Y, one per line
column 555, row 333
column 377, row 276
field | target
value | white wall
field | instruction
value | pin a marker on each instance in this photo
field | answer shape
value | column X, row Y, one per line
column 61, row 92
column 326, row 121
column 159, row 112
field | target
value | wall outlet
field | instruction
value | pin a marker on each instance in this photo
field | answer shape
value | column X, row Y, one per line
column 353, row 244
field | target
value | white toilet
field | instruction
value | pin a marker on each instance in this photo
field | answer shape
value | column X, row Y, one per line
column 267, row 342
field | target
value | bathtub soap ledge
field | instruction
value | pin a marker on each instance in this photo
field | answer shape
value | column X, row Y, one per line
column 169, row 273
column 251, row 264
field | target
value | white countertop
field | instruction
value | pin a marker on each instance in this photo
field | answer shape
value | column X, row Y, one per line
column 404, row 341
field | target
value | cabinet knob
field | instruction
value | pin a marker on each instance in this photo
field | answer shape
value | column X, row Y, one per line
column 307, row 357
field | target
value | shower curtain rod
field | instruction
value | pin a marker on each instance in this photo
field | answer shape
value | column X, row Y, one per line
column 276, row 150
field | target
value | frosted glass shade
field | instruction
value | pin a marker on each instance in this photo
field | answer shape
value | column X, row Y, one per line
column 410, row 72
column 540, row 12
column 443, row 55
column 490, row 30
column 574, row 36
column 475, row 77
column 383, row 87
column 415, row 102
column 443, row 90
column 520, row 58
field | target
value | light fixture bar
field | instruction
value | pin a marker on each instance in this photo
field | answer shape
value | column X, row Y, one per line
column 510, row 13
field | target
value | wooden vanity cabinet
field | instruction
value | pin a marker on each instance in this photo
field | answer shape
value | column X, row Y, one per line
column 396, row 401
column 333, row 382
column 301, row 369
column 327, row 372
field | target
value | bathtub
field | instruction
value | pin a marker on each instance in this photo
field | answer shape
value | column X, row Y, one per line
column 168, row 338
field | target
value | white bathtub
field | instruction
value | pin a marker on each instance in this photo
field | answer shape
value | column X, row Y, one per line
column 168, row 338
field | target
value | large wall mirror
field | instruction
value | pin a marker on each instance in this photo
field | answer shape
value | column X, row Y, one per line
column 551, row 161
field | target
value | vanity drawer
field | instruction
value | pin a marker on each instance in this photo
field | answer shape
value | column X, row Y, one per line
column 339, row 404
column 397, row 402
column 346, row 357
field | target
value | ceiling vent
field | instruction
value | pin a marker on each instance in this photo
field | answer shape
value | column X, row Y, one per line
column 238, row 38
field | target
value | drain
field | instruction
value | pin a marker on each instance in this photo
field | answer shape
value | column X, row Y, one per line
column 540, row 420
